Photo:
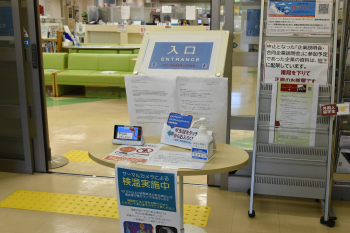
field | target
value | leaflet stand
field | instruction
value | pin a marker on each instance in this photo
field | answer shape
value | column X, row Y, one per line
column 289, row 170
column 217, row 67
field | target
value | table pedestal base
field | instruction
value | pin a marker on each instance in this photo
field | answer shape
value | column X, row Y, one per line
column 193, row 229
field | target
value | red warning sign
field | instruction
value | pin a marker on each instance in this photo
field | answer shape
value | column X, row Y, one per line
column 144, row 150
column 127, row 149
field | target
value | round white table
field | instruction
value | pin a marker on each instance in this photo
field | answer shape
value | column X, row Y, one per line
column 226, row 158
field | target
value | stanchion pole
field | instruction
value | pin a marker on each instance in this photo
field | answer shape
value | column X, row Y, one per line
column 181, row 203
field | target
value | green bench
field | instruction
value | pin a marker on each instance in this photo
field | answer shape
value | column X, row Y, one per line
column 88, row 70
column 105, row 51
column 53, row 64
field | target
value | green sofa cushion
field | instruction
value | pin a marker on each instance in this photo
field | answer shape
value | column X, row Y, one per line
column 77, row 61
column 74, row 77
column 125, row 51
column 48, row 77
column 97, row 78
column 56, row 61
column 120, row 62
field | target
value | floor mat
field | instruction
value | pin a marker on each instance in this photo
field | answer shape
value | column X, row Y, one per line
column 245, row 143
column 87, row 205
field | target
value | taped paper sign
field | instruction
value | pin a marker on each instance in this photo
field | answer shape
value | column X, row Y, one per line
column 293, row 113
column 296, row 62
column 134, row 154
column 335, row 109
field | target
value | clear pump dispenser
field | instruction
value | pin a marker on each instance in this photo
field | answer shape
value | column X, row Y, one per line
column 202, row 145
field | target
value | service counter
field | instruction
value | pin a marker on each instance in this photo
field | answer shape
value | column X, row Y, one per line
column 109, row 34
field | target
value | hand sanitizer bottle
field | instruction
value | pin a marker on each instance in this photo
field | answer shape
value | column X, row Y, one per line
column 202, row 145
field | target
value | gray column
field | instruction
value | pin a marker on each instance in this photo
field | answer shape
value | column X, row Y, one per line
column 215, row 15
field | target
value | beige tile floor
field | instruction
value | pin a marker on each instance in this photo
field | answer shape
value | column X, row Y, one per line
column 228, row 214
column 76, row 126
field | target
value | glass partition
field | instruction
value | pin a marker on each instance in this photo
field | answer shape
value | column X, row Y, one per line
column 147, row 14
column 247, row 25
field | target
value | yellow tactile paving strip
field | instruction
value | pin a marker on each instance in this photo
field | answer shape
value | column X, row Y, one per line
column 78, row 156
column 87, row 205
column 196, row 215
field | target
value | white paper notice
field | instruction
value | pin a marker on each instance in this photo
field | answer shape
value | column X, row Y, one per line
column 293, row 113
column 174, row 159
column 125, row 12
column 134, row 154
column 296, row 62
column 80, row 28
column 174, row 21
column 288, row 16
column 150, row 101
column 166, row 9
column 205, row 97
column 190, row 12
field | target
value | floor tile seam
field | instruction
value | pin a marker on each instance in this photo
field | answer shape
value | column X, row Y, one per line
column 9, row 211
column 234, row 210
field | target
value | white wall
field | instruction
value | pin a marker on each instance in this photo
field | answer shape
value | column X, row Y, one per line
column 51, row 8
column 55, row 8
column 83, row 6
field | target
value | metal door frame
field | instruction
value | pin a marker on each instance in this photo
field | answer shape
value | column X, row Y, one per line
column 35, row 137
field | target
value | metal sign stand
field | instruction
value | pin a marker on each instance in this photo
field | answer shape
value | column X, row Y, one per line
column 289, row 170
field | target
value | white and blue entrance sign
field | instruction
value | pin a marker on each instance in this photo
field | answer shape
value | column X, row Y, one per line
column 146, row 199
column 181, row 55
column 6, row 24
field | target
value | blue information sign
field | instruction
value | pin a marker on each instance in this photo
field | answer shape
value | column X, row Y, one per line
column 253, row 22
column 144, row 189
column 181, row 55
column 6, row 23
column 179, row 120
column 292, row 8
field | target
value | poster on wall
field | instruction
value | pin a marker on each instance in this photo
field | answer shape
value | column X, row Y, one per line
column 6, row 23
column 190, row 12
column 147, row 200
column 296, row 62
column 80, row 27
column 125, row 12
column 293, row 113
column 253, row 22
column 299, row 17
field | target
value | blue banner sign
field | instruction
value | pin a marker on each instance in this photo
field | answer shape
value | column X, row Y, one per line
column 179, row 120
column 144, row 189
column 253, row 22
column 292, row 8
column 181, row 55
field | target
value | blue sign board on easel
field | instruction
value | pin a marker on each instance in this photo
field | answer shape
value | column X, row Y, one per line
column 253, row 22
column 181, row 55
column 6, row 23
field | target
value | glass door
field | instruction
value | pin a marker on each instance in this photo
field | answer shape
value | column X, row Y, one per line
column 23, row 146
